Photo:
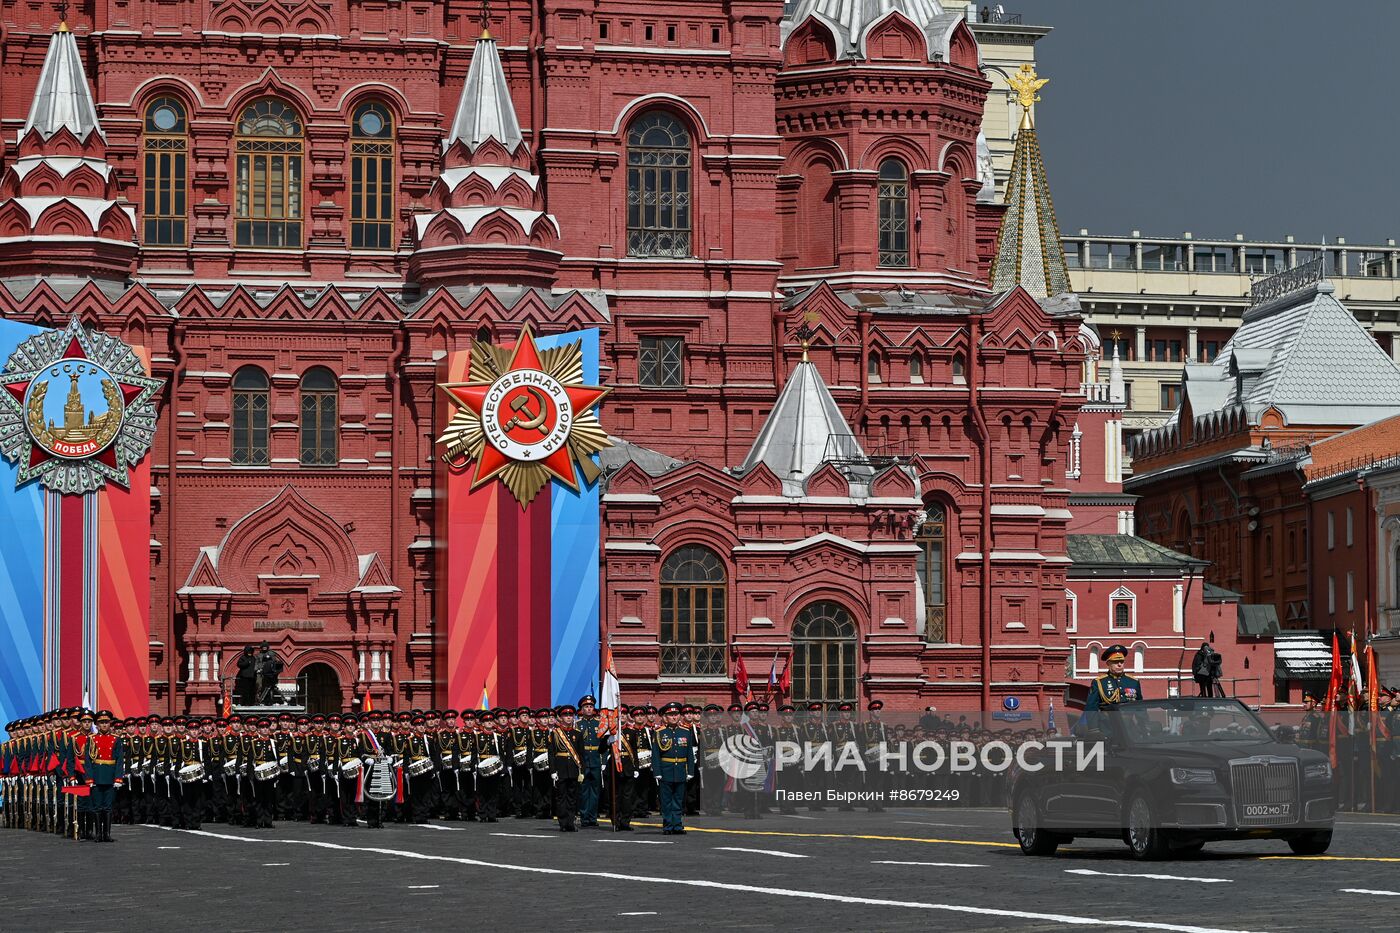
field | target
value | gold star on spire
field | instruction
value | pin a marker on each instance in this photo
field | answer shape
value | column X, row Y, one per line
column 1026, row 84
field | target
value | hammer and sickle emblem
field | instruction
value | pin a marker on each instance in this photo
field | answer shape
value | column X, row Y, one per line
column 524, row 417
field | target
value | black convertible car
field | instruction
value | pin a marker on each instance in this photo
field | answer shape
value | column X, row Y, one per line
column 1176, row 774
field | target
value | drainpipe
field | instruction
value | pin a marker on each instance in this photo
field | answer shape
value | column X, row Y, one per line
column 863, row 323
column 536, row 53
column 396, row 373
column 974, row 380
column 172, row 665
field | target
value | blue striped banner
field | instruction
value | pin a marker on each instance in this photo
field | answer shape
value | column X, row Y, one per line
column 575, row 534
column 21, row 577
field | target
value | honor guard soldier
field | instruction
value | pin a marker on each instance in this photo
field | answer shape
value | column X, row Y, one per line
column 873, row 734
column 712, row 782
column 591, row 787
column 566, row 765
column 491, row 763
column 690, row 717
column 814, row 735
column 673, row 764
column 620, row 762
column 259, row 755
column 104, row 768
column 1112, row 689
column 787, row 781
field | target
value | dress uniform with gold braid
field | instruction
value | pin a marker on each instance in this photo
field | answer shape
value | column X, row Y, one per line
column 1110, row 690
column 673, row 762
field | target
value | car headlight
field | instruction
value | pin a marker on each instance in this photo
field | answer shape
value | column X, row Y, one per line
column 1318, row 771
column 1193, row 776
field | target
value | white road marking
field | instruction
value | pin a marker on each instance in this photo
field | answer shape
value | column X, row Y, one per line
column 1368, row 891
column 423, row 887
column 446, row 829
column 167, row 847
column 638, row 913
column 1068, row 919
column 760, row 851
column 524, row 835
column 276, row 864
column 796, row 816
column 917, row 823
column 641, row 842
column 933, row 864
column 1124, row 874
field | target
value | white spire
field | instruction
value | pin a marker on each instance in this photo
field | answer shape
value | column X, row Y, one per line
column 485, row 110
column 1117, row 391
column 62, row 98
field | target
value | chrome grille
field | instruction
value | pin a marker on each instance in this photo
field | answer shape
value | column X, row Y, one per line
column 1265, row 791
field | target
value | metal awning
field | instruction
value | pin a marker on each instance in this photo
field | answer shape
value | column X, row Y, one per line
column 1303, row 655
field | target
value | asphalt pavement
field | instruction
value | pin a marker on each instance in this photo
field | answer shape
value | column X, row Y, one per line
column 904, row 869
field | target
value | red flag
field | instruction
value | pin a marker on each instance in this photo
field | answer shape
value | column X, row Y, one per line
column 78, row 790
column 1334, row 685
column 741, row 676
column 368, row 706
column 785, row 680
column 228, row 704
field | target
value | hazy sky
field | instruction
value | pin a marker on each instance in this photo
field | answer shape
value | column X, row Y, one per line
column 1261, row 117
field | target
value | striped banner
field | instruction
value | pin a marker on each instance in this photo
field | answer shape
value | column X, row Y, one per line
column 519, row 586
column 74, row 590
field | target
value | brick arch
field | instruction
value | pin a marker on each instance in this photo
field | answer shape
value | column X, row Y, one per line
column 914, row 158
column 288, row 535
column 845, row 597
column 811, row 43
column 688, row 113
column 166, row 86
column 338, row 661
column 894, row 37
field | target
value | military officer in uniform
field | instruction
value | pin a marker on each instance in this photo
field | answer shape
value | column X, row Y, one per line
column 104, row 767
column 566, row 765
column 674, row 764
column 591, row 787
column 1110, row 690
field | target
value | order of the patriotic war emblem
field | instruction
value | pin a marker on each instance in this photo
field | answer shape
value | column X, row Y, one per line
column 525, row 416
column 77, row 410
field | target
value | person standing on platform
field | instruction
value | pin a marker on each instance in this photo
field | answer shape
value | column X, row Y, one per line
column 674, row 764
column 104, row 768
column 1111, row 689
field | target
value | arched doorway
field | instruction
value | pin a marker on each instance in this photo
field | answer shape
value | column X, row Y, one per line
column 322, row 689
column 824, row 654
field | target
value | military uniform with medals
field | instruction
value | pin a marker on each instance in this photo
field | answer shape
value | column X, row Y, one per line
column 673, row 764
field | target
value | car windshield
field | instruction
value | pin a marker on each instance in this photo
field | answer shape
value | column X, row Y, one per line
column 1166, row 722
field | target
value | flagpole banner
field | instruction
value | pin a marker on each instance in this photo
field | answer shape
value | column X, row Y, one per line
column 77, row 417
column 521, row 509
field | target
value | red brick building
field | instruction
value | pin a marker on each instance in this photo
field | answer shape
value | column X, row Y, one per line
column 298, row 209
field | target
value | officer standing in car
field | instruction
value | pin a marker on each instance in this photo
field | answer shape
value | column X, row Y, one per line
column 1111, row 689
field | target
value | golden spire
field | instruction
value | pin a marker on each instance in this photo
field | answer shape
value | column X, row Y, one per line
column 1026, row 84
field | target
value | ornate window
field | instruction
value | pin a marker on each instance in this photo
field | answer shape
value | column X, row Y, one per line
column 931, row 565
column 166, row 147
column 893, row 196
column 824, row 654
column 1123, row 610
column 693, row 630
column 268, row 199
column 916, row 367
column 250, row 404
column 318, row 417
column 372, row 177
column 660, row 362
column 872, row 366
column 658, row 186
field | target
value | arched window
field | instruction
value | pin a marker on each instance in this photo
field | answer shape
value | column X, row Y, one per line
column 1122, row 616
column 872, row 366
column 931, row 566
column 658, row 186
column 318, row 417
column 893, row 195
column 267, row 201
column 959, row 369
column 693, row 632
column 166, row 147
column 916, row 367
column 250, row 404
column 824, row 654
column 372, row 177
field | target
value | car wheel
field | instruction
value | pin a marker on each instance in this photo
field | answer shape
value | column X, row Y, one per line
column 1314, row 843
column 1146, row 840
column 1034, row 839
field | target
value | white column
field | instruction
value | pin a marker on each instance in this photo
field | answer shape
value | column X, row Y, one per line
column 190, row 677
column 215, row 667
column 204, row 665
column 386, row 666
column 1178, row 607
column 1140, row 342
column 374, row 665
column 362, row 664
column 1191, row 344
